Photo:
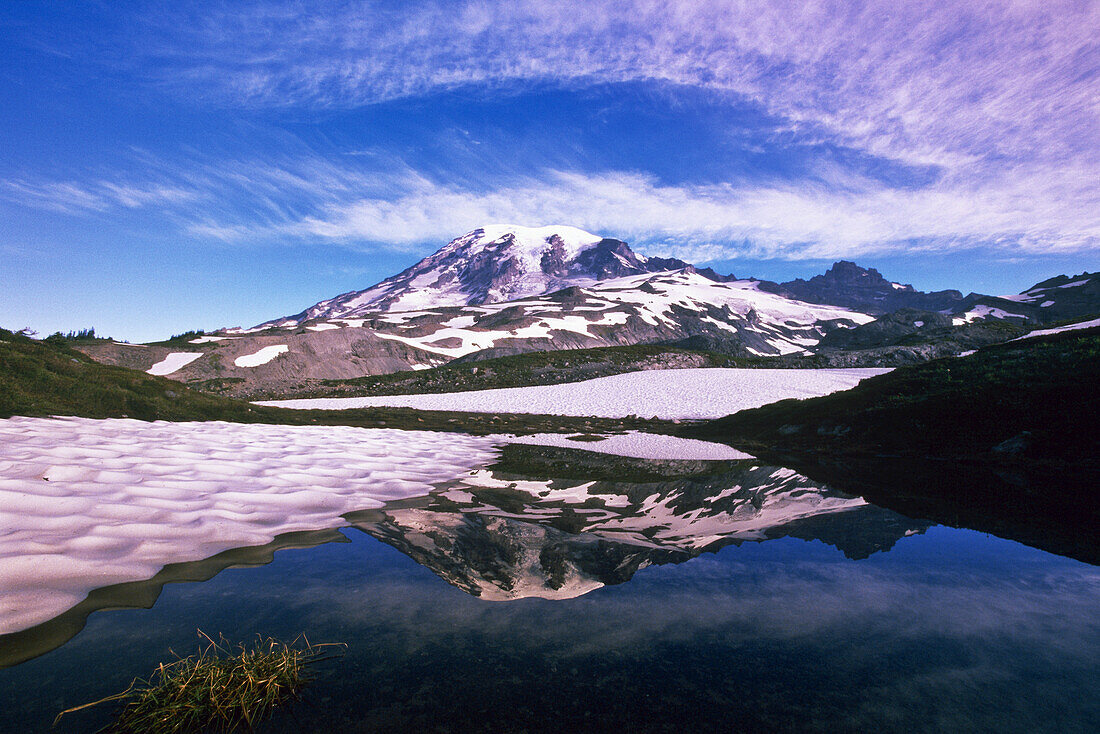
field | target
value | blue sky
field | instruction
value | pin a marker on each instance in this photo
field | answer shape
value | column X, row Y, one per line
column 169, row 166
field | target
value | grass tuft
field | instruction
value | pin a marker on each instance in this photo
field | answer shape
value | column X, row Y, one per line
column 221, row 689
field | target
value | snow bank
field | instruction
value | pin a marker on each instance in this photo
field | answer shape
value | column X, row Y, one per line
column 1060, row 329
column 173, row 362
column 89, row 503
column 637, row 445
column 208, row 339
column 263, row 356
column 688, row 393
column 984, row 312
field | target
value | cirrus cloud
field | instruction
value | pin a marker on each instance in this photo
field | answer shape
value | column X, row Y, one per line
column 948, row 83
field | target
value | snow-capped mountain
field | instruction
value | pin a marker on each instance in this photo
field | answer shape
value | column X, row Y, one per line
column 506, row 290
column 498, row 291
column 489, row 265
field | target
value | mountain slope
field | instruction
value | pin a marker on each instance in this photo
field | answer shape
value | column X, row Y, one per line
column 665, row 307
column 47, row 378
column 1062, row 298
column 50, row 378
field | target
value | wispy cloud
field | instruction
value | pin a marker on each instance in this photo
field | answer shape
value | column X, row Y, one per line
column 837, row 214
column 947, row 83
column 74, row 197
column 721, row 221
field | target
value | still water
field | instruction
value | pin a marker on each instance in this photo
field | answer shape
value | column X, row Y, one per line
column 551, row 594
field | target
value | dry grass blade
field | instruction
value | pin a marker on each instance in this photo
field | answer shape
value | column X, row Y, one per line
column 221, row 689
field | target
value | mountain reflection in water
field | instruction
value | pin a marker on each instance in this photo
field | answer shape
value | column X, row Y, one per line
column 503, row 534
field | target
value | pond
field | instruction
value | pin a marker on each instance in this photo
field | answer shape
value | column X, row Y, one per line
column 558, row 590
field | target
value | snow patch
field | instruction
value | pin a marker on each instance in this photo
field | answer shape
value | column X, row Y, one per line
column 637, row 445
column 461, row 322
column 208, row 339
column 1071, row 327
column 263, row 356
column 173, row 362
column 984, row 312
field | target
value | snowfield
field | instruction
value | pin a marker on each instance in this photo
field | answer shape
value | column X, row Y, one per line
column 688, row 393
column 88, row 503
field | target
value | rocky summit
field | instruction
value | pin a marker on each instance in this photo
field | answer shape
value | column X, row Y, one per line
column 864, row 289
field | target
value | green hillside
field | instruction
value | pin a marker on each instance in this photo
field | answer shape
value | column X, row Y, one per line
column 1034, row 399
column 49, row 377
column 39, row 378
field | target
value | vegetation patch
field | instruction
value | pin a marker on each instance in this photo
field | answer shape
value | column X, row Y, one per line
column 220, row 689
column 80, row 336
column 179, row 340
column 520, row 461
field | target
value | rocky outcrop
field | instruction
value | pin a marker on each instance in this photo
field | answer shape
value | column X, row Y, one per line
column 863, row 289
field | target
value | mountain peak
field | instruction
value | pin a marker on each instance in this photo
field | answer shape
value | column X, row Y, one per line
column 494, row 263
column 853, row 286
column 846, row 271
